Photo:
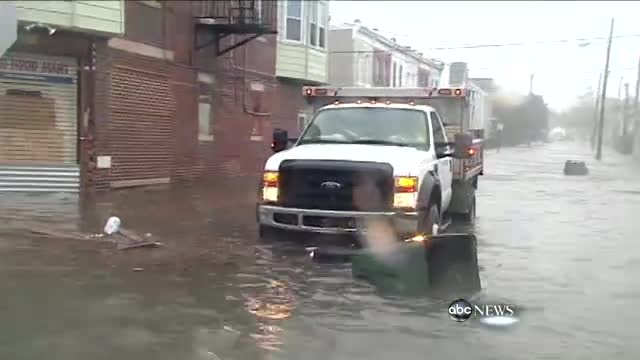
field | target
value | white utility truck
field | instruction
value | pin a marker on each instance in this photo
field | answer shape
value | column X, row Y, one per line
column 377, row 152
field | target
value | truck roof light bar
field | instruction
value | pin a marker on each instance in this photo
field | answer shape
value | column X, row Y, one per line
column 360, row 92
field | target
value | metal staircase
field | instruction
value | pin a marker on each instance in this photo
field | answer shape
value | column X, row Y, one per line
column 216, row 20
column 39, row 178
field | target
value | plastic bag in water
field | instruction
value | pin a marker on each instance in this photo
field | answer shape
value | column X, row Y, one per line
column 112, row 226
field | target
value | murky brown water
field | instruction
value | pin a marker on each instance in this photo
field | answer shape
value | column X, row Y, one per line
column 563, row 249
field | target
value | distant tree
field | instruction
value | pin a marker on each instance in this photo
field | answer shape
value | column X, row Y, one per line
column 525, row 121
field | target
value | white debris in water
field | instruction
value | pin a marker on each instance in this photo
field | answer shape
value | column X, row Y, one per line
column 499, row 320
column 112, row 226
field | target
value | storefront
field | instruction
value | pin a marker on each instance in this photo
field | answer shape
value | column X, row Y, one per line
column 38, row 110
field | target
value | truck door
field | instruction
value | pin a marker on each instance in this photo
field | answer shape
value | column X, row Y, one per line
column 445, row 165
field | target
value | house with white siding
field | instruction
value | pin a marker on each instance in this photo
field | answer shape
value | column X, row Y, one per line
column 361, row 56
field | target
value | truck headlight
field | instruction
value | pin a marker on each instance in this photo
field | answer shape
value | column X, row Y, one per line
column 270, row 186
column 405, row 192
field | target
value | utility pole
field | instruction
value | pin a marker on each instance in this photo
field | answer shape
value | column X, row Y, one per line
column 625, row 110
column 604, row 94
column 594, row 132
column 636, row 107
column 531, row 85
column 617, row 121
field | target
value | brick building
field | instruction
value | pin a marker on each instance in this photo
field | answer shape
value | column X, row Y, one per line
column 188, row 89
column 197, row 90
column 46, row 80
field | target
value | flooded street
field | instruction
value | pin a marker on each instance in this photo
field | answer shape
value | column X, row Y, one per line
column 563, row 250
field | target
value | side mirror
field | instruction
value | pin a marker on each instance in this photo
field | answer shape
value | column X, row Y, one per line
column 280, row 140
column 462, row 143
column 443, row 149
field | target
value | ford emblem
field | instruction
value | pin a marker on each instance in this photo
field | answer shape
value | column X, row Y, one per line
column 330, row 186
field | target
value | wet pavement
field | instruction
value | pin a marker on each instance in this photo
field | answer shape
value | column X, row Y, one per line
column 563, row 250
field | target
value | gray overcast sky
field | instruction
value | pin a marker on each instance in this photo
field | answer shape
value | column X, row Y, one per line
column 562, row 70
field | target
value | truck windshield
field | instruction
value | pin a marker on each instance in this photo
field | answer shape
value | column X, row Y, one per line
column 369, row 125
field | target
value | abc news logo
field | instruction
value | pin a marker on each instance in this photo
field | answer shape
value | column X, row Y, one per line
column 461, row 310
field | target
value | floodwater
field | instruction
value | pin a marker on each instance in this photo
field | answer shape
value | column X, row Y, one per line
column 563, row 250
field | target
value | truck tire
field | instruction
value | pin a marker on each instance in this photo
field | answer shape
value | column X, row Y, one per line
column 470, row 216
column 428, row 219
column 267, row 233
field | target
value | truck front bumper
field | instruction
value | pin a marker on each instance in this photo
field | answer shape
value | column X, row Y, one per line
column 330, row 221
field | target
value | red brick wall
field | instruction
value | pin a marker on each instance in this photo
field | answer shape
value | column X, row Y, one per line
column 236, row 108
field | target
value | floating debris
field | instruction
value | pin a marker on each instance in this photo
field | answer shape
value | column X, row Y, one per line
column 112, row 226
column 126, row 239
column 575, row 168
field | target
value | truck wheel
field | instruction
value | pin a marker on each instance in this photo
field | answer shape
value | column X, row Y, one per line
column 429, row 221
column 470, row 216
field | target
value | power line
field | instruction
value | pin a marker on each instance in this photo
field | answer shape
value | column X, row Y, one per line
column 534, row 42
column 480, row 46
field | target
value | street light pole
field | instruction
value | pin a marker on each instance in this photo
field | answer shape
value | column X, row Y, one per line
column 604, row 94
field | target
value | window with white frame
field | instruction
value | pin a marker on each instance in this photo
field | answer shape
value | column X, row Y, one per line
column 368, row 70
column 313, row 23
column 323, row 20
column 318, row 19
column 293, row 25
column 395, row 75
column 362, row 69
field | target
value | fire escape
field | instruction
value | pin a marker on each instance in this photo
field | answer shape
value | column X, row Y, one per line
column 215, row 20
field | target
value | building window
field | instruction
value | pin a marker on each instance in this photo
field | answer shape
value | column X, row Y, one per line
column 293, row 25
column 400, row 76
column 313, row 23
column 395, row 75
column 317, row 23
column 322, row 25
column 204, row 114
column 258, row 6
column 363, row 69
column 302, row 121
column 376, row 71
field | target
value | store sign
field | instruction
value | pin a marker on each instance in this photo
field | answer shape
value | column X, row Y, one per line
column 8, row 25
column 34, row 66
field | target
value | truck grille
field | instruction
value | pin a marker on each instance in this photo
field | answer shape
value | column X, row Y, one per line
column 329, row 185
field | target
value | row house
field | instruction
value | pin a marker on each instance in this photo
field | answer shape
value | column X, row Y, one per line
column 360, row 56
column 129, row 93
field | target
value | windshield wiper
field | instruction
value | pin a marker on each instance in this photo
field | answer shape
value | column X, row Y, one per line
column 378, row 142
